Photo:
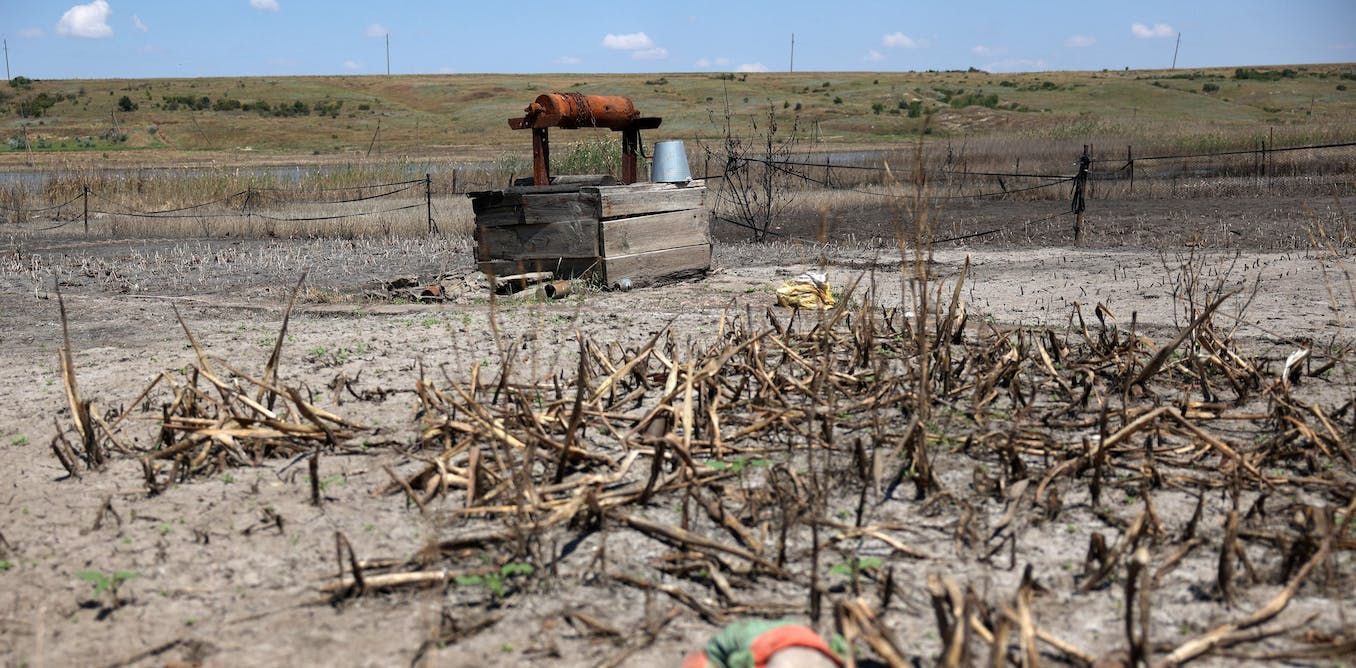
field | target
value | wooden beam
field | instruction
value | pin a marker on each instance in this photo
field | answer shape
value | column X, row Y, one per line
column 638, row 200
column 570, row 239
column 645, row 268
column 541, row 157
column 660, row 231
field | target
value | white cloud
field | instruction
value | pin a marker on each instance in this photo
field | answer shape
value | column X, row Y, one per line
column 657, row 53
column 1146, row 32
column 86, row 21
column 31, row 33
column 1015, row 65
column 1080, row 41
column 898, row 40
column 703, row 62
column 634, row 41
column 376, row 30
column 874, row 56
column 981, row 50
column 136, row 23
column 352, row 66
column 751, row 67
column 567, row 60
column 265, row 5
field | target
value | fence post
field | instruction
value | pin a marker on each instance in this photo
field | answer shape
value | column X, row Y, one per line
column 828, row 173
column 85, row 196
column 249, row 211
column 454, row 180
column 1130, row 164
column 1271, row 159
column 428, row 201
column 1091, row 150
column 1079, row 204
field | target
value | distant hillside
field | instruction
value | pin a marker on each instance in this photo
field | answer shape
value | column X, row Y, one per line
column 272, row 118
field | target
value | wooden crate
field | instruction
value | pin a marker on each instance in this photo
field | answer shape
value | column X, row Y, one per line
column 642, row 232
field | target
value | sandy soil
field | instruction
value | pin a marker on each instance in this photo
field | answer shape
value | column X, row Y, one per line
column 228, row 570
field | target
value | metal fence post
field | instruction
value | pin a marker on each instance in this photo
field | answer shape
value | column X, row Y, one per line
column 1079, row 204
column 85, row 196
column 428, row 202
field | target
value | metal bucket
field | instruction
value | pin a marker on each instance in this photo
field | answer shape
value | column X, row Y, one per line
column 670, row 163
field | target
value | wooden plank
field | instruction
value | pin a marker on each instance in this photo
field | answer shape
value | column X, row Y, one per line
column 658, row 231
column 493, row 199
column 565, row 267
column 499, row 216
column 619, row 202
column 575, row 238
column 646, row 268
column 542, row 190
column 559, row 207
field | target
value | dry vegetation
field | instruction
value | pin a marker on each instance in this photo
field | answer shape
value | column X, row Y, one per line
column 928, row 469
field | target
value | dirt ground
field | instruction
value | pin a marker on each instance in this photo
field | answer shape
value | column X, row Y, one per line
column 229, row 570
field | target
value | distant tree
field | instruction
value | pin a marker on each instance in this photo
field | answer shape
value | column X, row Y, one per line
column 126, row 104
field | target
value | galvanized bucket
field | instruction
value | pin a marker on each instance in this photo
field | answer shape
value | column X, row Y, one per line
column 670, row 163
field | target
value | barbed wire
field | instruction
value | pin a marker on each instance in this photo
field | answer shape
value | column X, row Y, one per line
column 1252, row 151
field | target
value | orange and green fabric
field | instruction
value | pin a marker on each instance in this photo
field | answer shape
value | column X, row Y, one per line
column 751, row 643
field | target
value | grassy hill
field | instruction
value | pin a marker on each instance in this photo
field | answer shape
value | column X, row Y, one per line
column 263, row 119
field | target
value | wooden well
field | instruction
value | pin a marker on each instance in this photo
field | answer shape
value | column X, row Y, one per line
column 643, row 232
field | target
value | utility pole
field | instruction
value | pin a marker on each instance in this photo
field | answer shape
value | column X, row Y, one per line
column 388, row 54
column 7, row 76
column 1174, row 50
column 793, row 52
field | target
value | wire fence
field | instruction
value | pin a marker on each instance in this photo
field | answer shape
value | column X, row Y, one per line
column 1080, row 184
column 949, row 181
column 263, row 203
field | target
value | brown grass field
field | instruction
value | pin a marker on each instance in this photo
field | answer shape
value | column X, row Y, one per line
column 226, row 441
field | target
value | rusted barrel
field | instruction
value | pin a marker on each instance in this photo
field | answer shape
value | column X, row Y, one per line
column 575, row 110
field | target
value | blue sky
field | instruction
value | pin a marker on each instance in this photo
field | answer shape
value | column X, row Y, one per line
column 162, row 38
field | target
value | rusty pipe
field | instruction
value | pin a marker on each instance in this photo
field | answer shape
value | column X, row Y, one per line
column 553, row 290
column 575, row 110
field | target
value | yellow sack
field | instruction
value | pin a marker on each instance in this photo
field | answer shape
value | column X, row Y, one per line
column 809, row 290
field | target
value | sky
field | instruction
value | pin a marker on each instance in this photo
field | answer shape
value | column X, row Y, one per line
column 64, row 39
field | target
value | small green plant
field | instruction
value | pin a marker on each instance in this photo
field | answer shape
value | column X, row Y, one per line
column 19, row 440
column 106, row 583
column 855, row 565
column 5, row 565
column 738, row 465
column 494, row 582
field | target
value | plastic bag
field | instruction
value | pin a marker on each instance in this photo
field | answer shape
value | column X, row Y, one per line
column 809, row 290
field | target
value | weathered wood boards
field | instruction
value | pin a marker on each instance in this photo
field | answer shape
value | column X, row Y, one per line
column 641, row 232
column 641, row 199
column 644, row 268
column 570, row 238
column 517, row 208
